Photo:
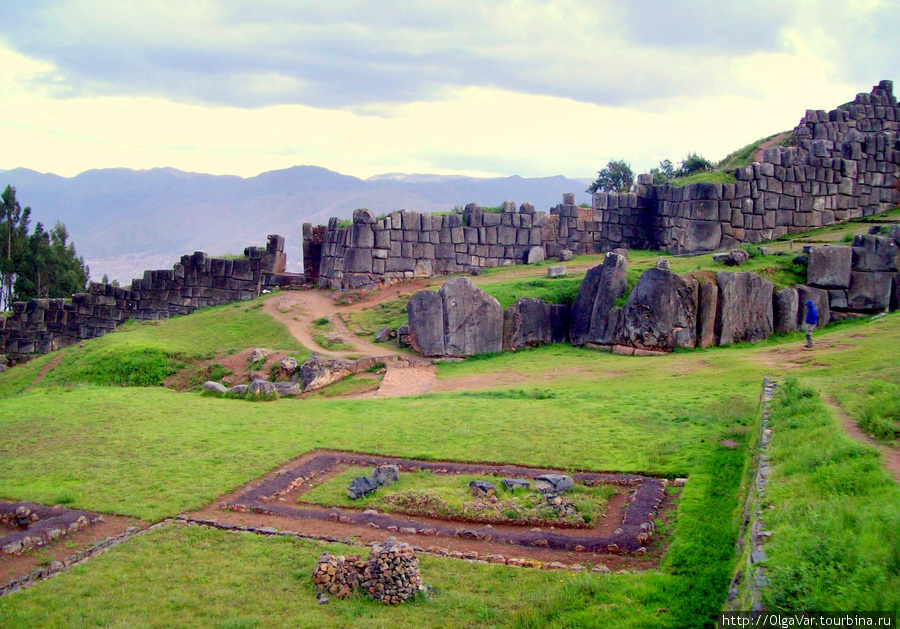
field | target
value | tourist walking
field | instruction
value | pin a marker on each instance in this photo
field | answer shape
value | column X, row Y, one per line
column 810, row 321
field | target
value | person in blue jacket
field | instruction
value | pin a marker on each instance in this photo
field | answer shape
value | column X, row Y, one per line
column 810, row 322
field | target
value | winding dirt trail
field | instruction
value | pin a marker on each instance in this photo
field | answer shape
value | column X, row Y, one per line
column 297, row 310
column 891, row 455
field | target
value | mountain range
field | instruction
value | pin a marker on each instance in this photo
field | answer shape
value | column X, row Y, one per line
column 124, row 221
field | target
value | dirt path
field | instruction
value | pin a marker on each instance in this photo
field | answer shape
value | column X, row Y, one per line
column 406, row 381
column 297, row 310
column 891, row 455
column 53, row 362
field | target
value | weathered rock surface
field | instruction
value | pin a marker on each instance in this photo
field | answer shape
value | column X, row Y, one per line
column 785, row 306
column 514, row 483
column 535, row 255
column 707, row 301
column 829, row 267
column 288, row 365
column 458, row 320
column 263, row 387
column 288, row 388
column 473, row 320
column 557, row 270
column 482, row 489
column 602, row 286
column 744, row 310
column 426, row 323
column 660, row 313
column 869, row 292
column 531, row 322
column 383, row 335
column 553, row 483
column 875, row 253
column 238, row 389
column 386, row 475
column 216, row 387
column 361, row 486
column 317, row 372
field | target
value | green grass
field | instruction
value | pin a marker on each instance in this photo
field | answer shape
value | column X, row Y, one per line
column 351, row 385
column 368, row 320
column 746, row 155
column 708, row 177
column 834, row 514
column 448, row 496
column 324, row 332
column 145, row 353
column 553, row 290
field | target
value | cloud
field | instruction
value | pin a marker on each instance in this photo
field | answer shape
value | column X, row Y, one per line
column 372, row 56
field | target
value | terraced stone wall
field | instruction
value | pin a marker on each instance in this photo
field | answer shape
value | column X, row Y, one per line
column 839, row 165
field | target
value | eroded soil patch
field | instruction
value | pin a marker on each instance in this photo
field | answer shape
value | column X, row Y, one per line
column 622, row 539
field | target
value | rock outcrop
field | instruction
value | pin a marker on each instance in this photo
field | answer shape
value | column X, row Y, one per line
column 744, row 308
column 594, row 319
column 458, row 320
column 660, row 313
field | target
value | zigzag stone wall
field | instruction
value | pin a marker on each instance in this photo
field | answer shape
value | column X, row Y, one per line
column 840, row 165
column 198, row 281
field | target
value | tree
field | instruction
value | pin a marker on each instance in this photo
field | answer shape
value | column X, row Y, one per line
column 13, row 242
column 616, row 177
column 693, row 164
column 50, row 267
column 665, row 172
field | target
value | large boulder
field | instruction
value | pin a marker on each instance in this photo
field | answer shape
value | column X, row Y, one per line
column 829, row 267
column 386, row 475
column 473, row 320
column 875, row 253
column 263, row 388
column 553, row 483
column 785, row 306
column 869, row 292
column 661, row 312
column 602, row 286
column 288, row 388
column 361, row 486
column 426, row 323
column 820, row 299
column 458, row 320
column 215, row 387
column 317, row 372
column 744, row 311
column 531, row 322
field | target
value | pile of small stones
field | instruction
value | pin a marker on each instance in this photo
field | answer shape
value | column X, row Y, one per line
column 390, row 575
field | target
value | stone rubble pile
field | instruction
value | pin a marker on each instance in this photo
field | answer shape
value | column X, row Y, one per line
column 390, row 574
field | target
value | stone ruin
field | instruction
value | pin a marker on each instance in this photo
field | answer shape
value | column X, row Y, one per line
column 37, row 525
column 197, row 281
column 390, row 574
column 840, row 165
column 664, row 311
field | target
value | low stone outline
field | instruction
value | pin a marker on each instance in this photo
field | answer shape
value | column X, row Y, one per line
column 629, row 538
column 52, row 523
column 58, row 567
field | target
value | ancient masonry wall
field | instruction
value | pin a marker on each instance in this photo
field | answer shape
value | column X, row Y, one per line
column 840, row 165
column 198, row 281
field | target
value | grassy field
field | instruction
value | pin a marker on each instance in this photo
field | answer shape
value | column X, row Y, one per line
column 87, row 436
column 448, row 496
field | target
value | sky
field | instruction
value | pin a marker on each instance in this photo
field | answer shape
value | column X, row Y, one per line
column 487, row 88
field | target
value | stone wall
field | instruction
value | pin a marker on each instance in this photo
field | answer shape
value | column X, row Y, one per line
column 840, row 165
column 198, row 281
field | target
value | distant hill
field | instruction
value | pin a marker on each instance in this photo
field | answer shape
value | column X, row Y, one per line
column 124, row 221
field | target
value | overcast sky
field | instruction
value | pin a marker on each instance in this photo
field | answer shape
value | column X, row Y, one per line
column 480, row 88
